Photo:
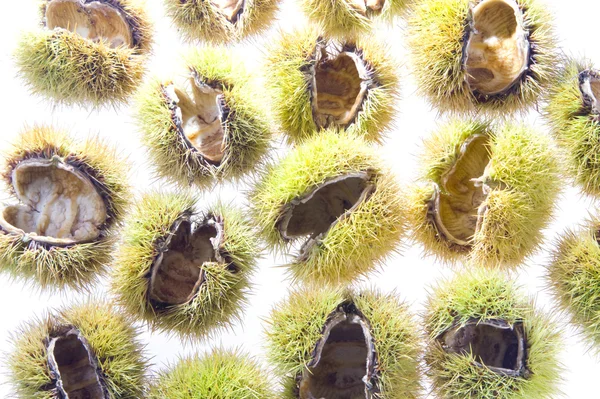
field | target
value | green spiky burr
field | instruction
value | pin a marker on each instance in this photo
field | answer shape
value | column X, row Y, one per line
column 338, row 343
column 89, row 53
column 486, row 193
column 316, row 83
column 183, row 271
column 574, row 278
column 220, row 374
column 573, row 114
column 351, row 18
column 207, row 127
column 486, row 340
column 222, row 21
column 333, row 205
column 496, row 56
column 71, row 197
column 85, row 351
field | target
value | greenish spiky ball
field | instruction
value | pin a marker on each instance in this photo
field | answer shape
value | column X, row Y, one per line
column 575, row 126
column 359, row 238
column 247, row 130
column 351, row 18
column 220, row 374
column 574, row 277
column 487, row 296
column 221, row 295
column 208, row 21
column 297, row 325
column 290, row 74
column 54, row 265
column 522, row 180
column 437, row 36
column 70, row 69
column 111, row 339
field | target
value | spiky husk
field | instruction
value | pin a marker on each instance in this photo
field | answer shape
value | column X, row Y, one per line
column 248, row 129
column 286, row 69
column 220, row 299
column 79, row 265
column 574, row 277
column 296, row 325
column 201, row 20
column 339, row 18
column 64, row 66
column 574, row 127
column 436, row 35
column 355, row 245
column 488, row 295
column 522, row 160
column 111, row 336
column 220, row 374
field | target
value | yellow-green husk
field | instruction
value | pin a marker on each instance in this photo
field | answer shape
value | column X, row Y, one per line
column 525, row 179
column 220, row 374
column 296, row 325
column 340, row 18
column 488, row 295
column 436, row 34
column 75, row 266
column 357, row 243
column 575, row 128
column 110, row 335
column 70, row 69
column 220, row 299
column 248, row 129
column 201, row 20
column 286, row 69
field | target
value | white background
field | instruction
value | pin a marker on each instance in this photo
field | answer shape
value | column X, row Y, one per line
column 409, row 273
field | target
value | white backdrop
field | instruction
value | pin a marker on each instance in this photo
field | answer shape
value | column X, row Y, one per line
column 409, row 273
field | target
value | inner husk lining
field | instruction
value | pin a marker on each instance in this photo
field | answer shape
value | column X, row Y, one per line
column 95, row 21
column 59, row 204
column 495, row 344
column 367, row 6
column 343, row 362
column 314, row 213
column 339, row 87
column 589, row 85
column 457, row 206
column 74, row 366
column 231, row 9
column 201, row 113
column 177, row 273
column 497, row 52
